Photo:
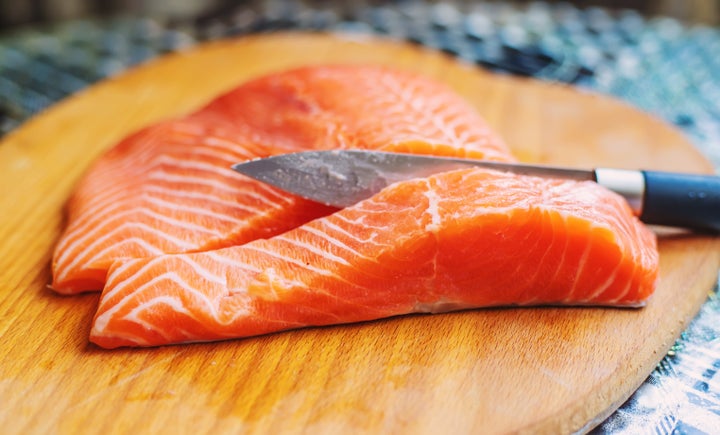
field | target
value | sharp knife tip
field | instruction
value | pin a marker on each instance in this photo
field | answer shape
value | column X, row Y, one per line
column 243, row 167
column 238, row 167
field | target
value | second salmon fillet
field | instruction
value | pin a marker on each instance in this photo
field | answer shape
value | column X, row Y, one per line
column 462, row 239
column 169, row 188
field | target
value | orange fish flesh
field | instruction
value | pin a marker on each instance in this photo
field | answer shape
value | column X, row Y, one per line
column 169, row 188
column 462, row 239
column 186, row 250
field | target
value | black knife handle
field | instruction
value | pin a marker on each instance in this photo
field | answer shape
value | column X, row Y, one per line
column 681, row 200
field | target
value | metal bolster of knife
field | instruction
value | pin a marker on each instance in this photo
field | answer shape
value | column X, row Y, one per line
column 628, row 183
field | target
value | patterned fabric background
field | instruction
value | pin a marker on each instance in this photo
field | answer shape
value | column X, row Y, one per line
column 658, row 64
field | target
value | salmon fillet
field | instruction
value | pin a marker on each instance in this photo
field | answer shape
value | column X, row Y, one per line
column 169, row 188
column 187, row 250
column 461, row 239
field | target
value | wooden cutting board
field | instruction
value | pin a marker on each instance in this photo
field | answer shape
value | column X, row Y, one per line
column 495, row 370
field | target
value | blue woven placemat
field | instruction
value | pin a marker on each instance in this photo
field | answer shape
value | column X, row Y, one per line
column 657, row 64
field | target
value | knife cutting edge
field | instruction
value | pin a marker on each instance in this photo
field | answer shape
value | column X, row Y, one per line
column 343, row 177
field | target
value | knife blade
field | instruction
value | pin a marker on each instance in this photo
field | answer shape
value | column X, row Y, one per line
column 343, row 177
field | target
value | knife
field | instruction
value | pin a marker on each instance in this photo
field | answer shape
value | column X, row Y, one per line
column 343, row 177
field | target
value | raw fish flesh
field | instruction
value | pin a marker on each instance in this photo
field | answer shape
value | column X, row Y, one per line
column 185, row 249
column 462, row 239
column 169, row 188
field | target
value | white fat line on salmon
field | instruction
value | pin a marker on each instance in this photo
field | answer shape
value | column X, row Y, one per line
column 228, row 153
column 70, row 249
column 117, row 268
column 622, row 228
column 241, row 148
column 174, row 303
column 204, row 272
column 377, row 230
column 63, row 270
column 607, row 206
column 191, row 210
column 546, row 250
column 104, row 193
column 269, row 279
column 529, row 248
column 175, row 163
column 135, row 315
column 175, row 223
column 100, row 211
column 243, row 189
column 330, row 225
column 325, row 254
column 78, row 226
column 241, row 145
column 175, row 192
column 624, row 291
column 231, row 262
column 549, row 215
column 234, row 306
column 428, row 111
column 206, row 155
column 187, row 336
column 229, row 201
column 254, row 246
column 143, row 151
column 582, row 265
column 408, row 94
column 188, row 133
column 450, row 124
column 232, row 188
column 612, row 276
column 118, row 271
column 433, row 207
column 332, row 240
column 150, row 249
column 162, row 175
column 188, row 141
column 143, row 146
column 611, row 280
column 166, row 280
column 107, row 197
column 360, row 222
column 271, row 192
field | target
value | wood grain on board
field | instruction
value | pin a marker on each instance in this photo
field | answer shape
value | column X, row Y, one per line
column 492, row 370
